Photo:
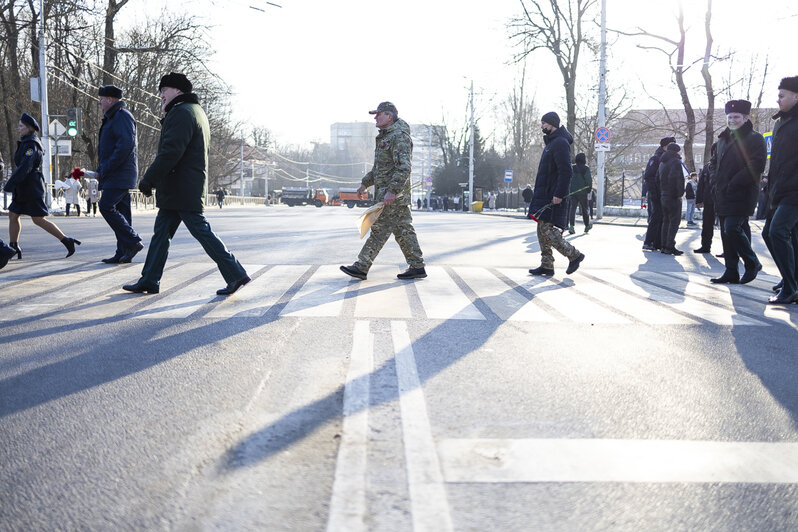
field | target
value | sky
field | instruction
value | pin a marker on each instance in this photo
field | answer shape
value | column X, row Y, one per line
column 301, row 67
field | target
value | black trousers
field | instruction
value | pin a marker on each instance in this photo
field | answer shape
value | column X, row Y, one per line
column 654, row 232
column 737, row 244
column 581, row 201
column 671, row 216
column 708, row 225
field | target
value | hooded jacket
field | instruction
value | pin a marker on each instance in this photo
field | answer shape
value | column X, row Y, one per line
column 650, row 173
column 783, row 173
column 553, row 178
column 117, row 149
column 179, row 172
column 739, row 162
column 393, row 160
column 671, row 176
column 27, row 181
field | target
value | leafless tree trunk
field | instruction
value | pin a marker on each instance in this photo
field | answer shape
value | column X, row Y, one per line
column 555, row 25
column 109, row 57
column 522, row 125
column 709, row 119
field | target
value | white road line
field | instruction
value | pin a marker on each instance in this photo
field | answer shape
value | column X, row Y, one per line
column 563, row 299
column 678, row 301
column 186, row 300
column 322, row 295
column 348, row 500
column 382, row 295
column 428, row 501
column 662, row 461
column 442, row 298
column 257, row 297
column 502, row 299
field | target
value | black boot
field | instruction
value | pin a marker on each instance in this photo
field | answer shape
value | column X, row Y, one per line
column 18, row 249
column 69, row 243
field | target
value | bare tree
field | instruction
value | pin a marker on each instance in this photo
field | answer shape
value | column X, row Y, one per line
column 522, row 118
column 709, row 118
column 674, row 50
column 556, row 26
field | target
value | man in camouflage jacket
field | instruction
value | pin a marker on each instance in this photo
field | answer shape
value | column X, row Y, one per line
column 390, row 175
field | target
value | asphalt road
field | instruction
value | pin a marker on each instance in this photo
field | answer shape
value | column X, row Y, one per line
column 633, row 395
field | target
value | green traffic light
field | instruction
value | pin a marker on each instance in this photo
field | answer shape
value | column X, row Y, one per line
column 72, row 131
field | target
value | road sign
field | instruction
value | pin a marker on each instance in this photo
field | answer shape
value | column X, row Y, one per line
column 508, row 176
column 769, row 141
column 602, row 146
column 57, row 129
column 603, row 134
column 64, row 147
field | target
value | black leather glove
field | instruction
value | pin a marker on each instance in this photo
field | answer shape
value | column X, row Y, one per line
column 145, row 189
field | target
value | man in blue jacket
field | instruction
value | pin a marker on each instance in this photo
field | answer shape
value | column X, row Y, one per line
column 551, row 187
column 118, row 172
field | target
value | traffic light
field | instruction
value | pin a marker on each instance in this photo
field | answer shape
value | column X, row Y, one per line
column 74, row 121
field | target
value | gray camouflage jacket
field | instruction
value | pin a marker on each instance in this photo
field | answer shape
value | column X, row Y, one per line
column 393, row 159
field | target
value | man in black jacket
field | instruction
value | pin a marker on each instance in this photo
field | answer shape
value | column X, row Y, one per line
column 551, row 187
column 782, row 222
column 704, row 200
column 653, row 239
column 739, row 161
column 671, row 185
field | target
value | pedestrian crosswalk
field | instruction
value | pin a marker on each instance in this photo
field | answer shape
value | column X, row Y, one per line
column 49, row 290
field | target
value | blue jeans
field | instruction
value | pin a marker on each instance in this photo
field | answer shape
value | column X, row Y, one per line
column 736, row 244
column 779, row 234
column 166, row 224
column 690, row 210
column 115, row 208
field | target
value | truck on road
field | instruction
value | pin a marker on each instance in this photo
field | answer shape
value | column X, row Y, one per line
column 350, row 198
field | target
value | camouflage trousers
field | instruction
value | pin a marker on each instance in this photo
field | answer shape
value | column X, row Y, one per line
column 396, row 220
column 550, row 236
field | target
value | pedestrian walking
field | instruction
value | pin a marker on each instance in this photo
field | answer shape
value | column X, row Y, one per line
column 704, row 200
column 781, row 224
column 28, row 189
column 527, row 196
column 551, row 187
column 390, row 175
column 220, row 197
column 179, row 174
column 671, row 190
column 581, row 184
column 72, row 193
column 92, row 194
column 117, row 172
column 653, row 238
column 739, row 161
column 689, row 196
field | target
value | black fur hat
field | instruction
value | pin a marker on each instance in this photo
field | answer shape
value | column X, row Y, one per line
column 673, row 147
column 112, row 91
column 738, row 106
column 176, row 81
column 789, row 84
column 666, row 140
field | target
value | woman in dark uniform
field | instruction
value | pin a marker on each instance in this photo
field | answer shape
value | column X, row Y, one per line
column 27, row 187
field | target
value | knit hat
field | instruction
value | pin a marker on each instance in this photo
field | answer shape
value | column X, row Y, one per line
column 789, row 84
column 176, row 81
column 738, row 106
column 666, row 140
column 673, row 147
column 29, row 121
column 551, row 118
column 580, row 158
column 112, row 91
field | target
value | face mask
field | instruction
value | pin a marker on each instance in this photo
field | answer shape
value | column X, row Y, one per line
column 545, row 131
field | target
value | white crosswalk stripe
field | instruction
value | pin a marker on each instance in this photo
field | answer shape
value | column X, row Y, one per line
column 93, row 291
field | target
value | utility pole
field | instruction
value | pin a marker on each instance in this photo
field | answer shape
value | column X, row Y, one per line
column 429, row 165
column 471, row 155
column 45, row 124
column 242, row 169
column 601, row 110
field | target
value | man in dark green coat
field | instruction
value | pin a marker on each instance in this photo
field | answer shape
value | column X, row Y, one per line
column 179, row 176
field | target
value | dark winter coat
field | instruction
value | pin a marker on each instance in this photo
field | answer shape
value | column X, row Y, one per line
column 553, row 178
column 703, row 193
column 179, row 172
column 739, row 161
column 783, row 173
column 650, row 174
column 27, row 181
column 581, row 182
column 527, row 195
column 671, row 176
column 117, row 149
column 689, row 190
